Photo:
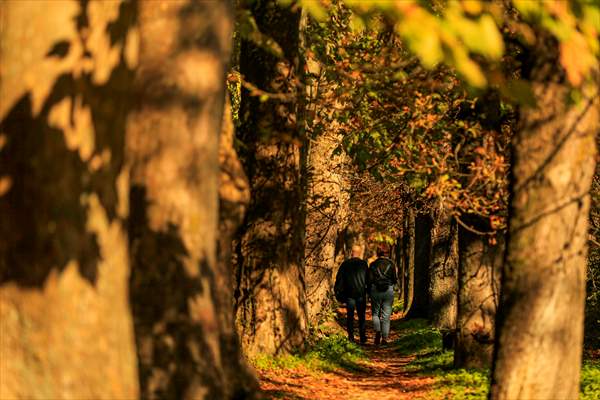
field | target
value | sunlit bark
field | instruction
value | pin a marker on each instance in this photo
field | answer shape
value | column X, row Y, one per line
column 479, row 270
column 181, row 305
column 543, row 290
column 443, row 284
column 65, row 322
column 270, row 286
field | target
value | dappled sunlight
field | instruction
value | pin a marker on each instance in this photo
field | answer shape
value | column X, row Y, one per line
column 307, row 199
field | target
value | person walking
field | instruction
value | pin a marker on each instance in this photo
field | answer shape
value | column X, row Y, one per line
column 351, row 288
column 381, row 278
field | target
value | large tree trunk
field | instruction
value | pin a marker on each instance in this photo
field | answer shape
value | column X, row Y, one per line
column 543, row 292
column 443, row 283
column 327, row 195
column 182, row 309
column 327, row 208
column 270, row 287
column 65, row 323
column 422, row 250
column 480, row 267
column 234, row 197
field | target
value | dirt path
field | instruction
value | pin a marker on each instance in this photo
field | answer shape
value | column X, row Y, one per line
column 383, row 378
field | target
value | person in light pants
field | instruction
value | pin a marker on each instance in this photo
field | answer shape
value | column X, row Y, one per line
column 381, row 277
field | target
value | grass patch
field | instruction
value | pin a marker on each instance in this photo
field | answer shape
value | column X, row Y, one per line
column 336, row 351
column 419, row 339
column 425, row 343
column 590, row 380
column 463, row 384
column 327, row 353
column 397, row 306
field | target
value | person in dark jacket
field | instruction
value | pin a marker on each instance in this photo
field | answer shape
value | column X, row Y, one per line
column 351, row 288
column 381, row 278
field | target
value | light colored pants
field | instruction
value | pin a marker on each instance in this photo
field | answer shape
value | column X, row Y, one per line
column 381, row 305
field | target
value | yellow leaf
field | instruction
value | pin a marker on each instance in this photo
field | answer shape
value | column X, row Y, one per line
column 480, row 36
column 470, row 70
column 421, row 33
column 428, row 48
column 356, row 23
column 529, row 8
column 473, row 7
column 576, row 58
column 494, row 45
column 315, row 9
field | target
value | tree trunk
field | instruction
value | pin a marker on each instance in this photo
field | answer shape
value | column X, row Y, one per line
column 420, row 303
column 480, row 266
column 543, row 292
column 327, row 195
column 182, row 309
column 443, row 281
column 234, row 197
column 270, row 287
column 409, row 263
column 327, row 207
column 65, row 323
column 400, row 263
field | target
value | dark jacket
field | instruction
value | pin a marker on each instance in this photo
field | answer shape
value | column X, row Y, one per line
column 380, row 275
column 351, row 279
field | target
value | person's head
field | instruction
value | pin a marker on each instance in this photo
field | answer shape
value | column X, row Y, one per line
column 383, row 250
column 356, row 250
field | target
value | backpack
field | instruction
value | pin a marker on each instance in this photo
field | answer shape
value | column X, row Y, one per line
column 339, row 291
column 382, row 282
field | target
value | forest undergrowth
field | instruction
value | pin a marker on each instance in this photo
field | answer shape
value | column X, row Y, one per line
column 413, row 366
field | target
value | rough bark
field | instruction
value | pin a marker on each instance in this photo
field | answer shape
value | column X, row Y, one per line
column 422, row 251
column 443, row 274
column 543, row 292
column 234, row 197
column 181, row 308
column 270, row 286
column 327, row 196
column 65, row 323
column 409, row 257
column 327, row 208
column 479, row 271
column 400, row 261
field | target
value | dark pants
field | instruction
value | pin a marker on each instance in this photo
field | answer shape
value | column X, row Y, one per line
column 360, row 305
